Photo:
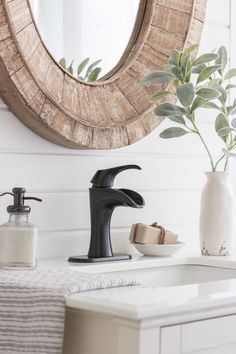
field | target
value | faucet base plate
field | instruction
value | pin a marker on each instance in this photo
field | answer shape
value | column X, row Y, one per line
column 86, row 259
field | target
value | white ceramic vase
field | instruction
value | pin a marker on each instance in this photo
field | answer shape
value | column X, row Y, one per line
column 217, row 216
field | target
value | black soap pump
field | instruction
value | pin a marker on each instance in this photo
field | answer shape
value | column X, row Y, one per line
column 18, row 237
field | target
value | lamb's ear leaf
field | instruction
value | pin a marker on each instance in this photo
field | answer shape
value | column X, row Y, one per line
column 177, row 119
column 91, row 67
column 205, row 58
column 62, row 62
column 210, row 105
column 174, row 132
column 175, row 57
column 222, row 59
column 187, row 71
column 233, row 123
column 223, row 97
column 221, row 123
column 230, row 86
column 169, row 67
column 208, row 93
column 223, row 133
column 157, row 77
column 185, row 59
column 160, row 94
column 231, row 73
column 177, row 72
column 191, row 49
column 94, row 74
column 207, row 72
column 197, row 103
column 82, row 65
column 197, row 69
column 70, row 68
column 186, row 94
column 169, row 109
column 231, row 110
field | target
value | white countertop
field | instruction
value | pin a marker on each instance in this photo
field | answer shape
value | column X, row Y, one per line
column 145, row 302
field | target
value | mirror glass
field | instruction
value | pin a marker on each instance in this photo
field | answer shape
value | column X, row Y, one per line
column 87, row 37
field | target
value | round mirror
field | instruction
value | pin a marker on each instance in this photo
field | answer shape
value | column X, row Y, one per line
column 88, row 38
column 130, row 37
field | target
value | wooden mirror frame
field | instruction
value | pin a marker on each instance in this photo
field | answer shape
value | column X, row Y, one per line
column 102, row 115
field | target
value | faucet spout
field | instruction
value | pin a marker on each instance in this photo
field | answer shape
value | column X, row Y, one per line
column 103, row 202
column 105, row 178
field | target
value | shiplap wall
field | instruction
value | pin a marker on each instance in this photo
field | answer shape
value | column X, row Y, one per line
column 170, row 181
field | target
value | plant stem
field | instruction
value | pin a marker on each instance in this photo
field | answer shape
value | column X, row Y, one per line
column 231, row 147
column 226, row 163
column 218, row 161
column 204, row 144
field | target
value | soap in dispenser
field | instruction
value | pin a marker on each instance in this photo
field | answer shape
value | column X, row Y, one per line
column 18, row 238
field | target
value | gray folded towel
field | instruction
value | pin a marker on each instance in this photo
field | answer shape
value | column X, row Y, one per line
column 32, row 306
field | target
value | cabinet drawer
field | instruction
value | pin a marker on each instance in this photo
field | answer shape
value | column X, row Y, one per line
column 208, row 334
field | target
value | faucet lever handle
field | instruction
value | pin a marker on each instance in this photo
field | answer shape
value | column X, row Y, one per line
column 105, row 178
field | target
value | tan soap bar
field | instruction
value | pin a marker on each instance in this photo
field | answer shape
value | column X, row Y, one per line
column 146, row 234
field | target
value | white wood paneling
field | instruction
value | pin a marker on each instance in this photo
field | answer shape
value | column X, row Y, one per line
column 170, row 181
column 233, row 64
column 218, row 12
column 70, row 211
column 233, row 31
column 64, row 173
column 76, row 242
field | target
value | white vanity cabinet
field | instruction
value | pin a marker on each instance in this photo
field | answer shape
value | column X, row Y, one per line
column 213, row 336
column 90, row 333
column 178, row 316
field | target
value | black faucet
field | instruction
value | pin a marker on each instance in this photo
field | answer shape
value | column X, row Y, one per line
column 103, row 200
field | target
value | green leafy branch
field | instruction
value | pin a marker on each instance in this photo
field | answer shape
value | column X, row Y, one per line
column 197, row 83
column 88, row 74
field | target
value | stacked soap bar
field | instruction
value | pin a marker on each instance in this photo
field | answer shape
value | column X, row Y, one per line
column 151, row 234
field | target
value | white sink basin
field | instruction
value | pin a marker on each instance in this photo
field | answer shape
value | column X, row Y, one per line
column 178, row 275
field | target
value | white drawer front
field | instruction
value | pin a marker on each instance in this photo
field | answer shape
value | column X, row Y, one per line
column 209, row 336
column 225, row 349
column 171, row 340
column 214, row 336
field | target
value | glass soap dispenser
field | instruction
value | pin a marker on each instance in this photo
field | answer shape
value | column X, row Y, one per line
column 18, row 238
